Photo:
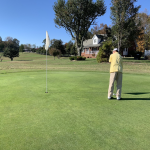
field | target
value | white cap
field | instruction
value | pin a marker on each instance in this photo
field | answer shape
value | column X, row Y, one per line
column 115, row 49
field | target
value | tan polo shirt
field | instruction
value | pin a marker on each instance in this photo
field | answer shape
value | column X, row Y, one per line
column 116, row 62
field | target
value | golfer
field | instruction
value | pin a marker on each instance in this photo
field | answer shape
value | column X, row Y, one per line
column 116, row 68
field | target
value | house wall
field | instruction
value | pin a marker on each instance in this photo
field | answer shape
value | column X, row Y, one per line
column 130, row 50
column 88, row 53
column 95, row 38
column 125, row 52
column 147, row 53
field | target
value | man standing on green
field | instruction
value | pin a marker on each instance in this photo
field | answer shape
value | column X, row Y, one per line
column 116, row 68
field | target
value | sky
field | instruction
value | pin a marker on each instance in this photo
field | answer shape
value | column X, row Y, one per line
column 28, row 20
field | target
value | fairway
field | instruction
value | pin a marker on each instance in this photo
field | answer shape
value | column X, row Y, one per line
column 75, row 114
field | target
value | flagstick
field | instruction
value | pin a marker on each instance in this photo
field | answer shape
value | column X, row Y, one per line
column 46, row 72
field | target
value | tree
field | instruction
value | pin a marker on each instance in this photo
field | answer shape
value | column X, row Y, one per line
column 89, row 35
column 102, row 29
column 29, row 47
column 2, row 45
column 73, row 50
column 44, row 41
column 54, row 52
column 21, row 48
column 140, row 42
column 104, row 51
column 41, row 51
column 34, row 46
column 144, row 20
column 76, row 16
column 1, row 56
column 68, row 47
column 11, row 49
column 123, row 15
column 58, row 44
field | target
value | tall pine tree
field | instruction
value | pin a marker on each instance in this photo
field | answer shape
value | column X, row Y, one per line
column 123, row 15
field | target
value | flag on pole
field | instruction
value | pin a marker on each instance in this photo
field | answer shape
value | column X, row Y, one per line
column 47, row 44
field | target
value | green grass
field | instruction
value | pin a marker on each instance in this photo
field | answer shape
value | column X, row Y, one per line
column 35, row 62
column 131, row 59
column 75, row 114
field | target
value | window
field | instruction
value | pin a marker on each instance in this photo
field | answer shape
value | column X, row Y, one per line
column 94, row 40
column 94, row 48
column 83, row 50
column 87, row 51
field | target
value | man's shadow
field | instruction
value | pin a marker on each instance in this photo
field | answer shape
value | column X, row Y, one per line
column 138, row 93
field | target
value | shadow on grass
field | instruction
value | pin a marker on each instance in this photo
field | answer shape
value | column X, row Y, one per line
column 144, row 99
column 138, row 93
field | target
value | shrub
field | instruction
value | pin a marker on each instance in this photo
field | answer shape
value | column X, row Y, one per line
column 55, row 52
column 71, row 58
column 77, row 58
column 83, row 58
column 105, row 51
column 104, row 60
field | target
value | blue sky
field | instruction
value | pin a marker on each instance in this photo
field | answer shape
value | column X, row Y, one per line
column 28, row 20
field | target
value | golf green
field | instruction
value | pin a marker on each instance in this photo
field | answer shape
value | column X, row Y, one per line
column 75, row 114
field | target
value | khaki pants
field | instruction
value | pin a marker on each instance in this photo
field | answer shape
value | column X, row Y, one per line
column 118, row 77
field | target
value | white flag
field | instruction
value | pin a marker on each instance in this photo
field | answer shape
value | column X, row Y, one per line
column 47, row 41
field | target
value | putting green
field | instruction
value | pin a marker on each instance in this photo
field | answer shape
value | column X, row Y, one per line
column 75, row 114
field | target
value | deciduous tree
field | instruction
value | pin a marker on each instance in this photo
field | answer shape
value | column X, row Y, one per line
column 58, row 44
column 11, row 48
column 76, row 16
column 21, row 48
column 123, row 15
column 68, row 47
column 144, row 20
column 1, row 56
column 2, row 44
column 73, row 50
column 44, row 42
column 54, row 52
column 140, row 42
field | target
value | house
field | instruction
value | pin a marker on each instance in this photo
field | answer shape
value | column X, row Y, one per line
column 146, row 53
column 91, row 47
column 130, row 50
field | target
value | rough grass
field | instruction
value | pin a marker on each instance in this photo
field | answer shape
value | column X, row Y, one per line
column 34, row 62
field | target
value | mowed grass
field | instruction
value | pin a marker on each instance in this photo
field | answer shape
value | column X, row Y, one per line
column 75, row 114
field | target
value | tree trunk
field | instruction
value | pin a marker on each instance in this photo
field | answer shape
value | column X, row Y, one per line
column 81, row 46
column 78, row 49
column 11, row 58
